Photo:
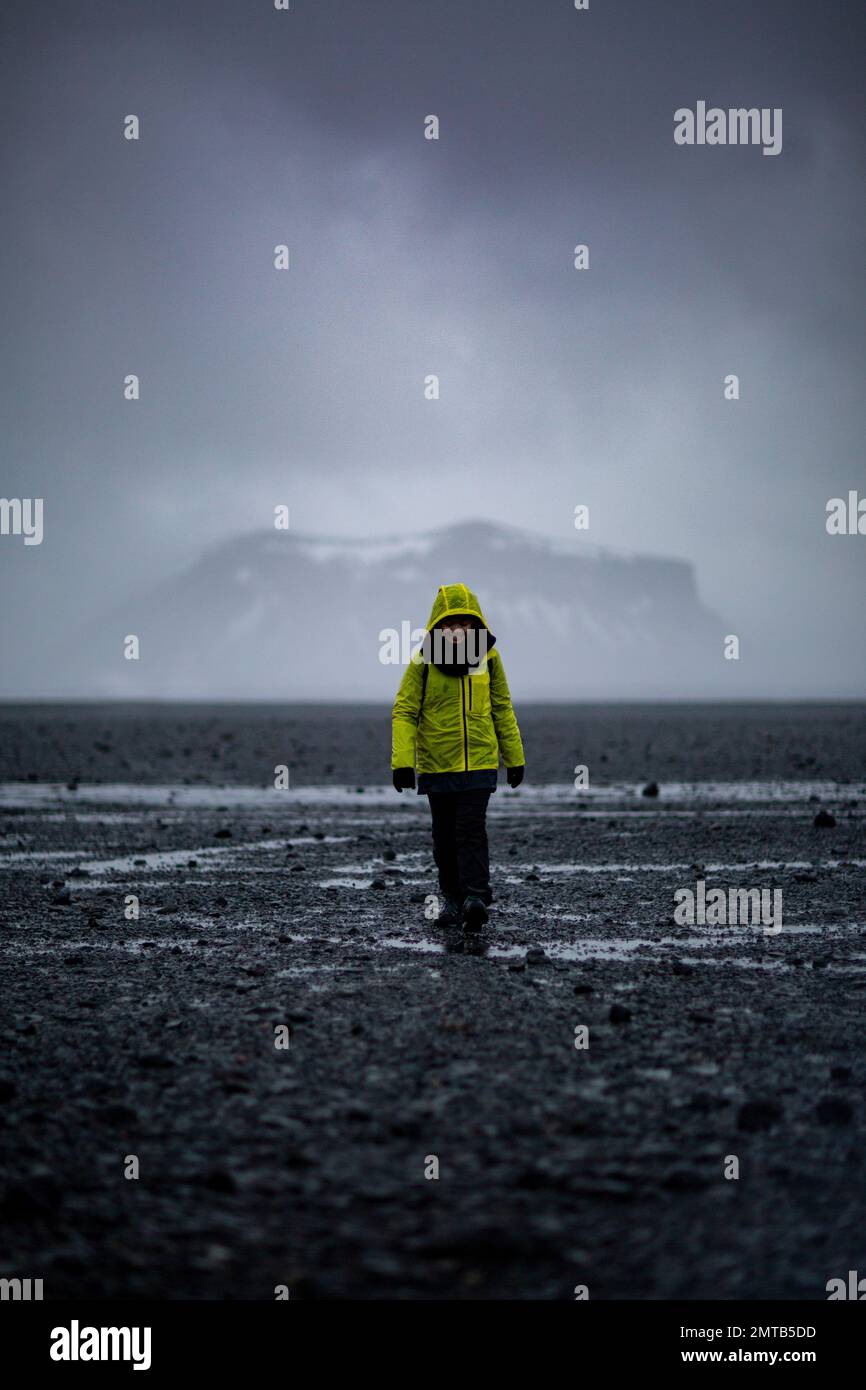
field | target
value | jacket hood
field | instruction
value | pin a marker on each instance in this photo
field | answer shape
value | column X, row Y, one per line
column 452, row 599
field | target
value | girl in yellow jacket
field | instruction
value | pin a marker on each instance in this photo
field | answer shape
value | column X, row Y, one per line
column 452, row 718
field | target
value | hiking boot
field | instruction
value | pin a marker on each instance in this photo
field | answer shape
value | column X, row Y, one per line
column 474, row 913
column 450, row 914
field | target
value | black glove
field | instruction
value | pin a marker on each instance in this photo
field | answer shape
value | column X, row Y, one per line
column 403, row 777
column 515, row 775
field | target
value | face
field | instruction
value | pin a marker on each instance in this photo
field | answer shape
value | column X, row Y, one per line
column 455, row 628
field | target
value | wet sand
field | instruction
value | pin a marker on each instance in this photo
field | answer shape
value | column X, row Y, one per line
column 305, row 1166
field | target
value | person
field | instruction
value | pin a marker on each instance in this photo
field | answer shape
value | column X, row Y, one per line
column 453, row 718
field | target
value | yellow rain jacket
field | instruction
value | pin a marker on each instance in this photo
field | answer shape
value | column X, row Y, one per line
column 464, row 722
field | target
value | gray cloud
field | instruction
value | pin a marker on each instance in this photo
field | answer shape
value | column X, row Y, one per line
column 410, row 257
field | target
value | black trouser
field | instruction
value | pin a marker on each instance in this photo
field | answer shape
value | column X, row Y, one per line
column 460, row 843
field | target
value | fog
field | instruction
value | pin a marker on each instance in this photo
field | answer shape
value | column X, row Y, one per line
column 411, row 257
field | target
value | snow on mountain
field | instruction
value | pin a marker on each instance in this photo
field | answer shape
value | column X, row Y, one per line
column 288, row 616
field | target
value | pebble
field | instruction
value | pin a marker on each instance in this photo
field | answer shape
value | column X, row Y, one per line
column 834, row 1111
column 758, row 1115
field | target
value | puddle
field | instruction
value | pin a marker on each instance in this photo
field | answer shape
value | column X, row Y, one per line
column 26, row 794
column 290, row 970
column 207, row 855
column 417, row 943
column 546, row 867
column 345, row 883
column 650, row 949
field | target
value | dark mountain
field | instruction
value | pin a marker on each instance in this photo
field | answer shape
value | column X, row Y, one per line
column 289, row 616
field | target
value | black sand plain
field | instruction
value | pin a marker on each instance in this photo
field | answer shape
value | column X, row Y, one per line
column 305, row 1166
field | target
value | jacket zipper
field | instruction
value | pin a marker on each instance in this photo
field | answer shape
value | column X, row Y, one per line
column 465, row 735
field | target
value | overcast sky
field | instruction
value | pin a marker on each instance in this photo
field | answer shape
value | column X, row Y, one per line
column 453, row 257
